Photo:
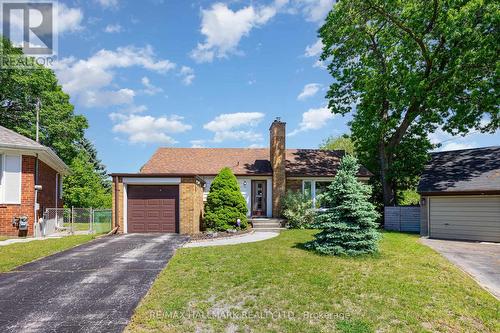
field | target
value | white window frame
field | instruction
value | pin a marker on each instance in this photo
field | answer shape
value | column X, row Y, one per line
column 3, row 179
column 313, row 188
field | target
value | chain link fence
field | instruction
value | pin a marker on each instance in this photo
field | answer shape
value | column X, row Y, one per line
column 72, row 221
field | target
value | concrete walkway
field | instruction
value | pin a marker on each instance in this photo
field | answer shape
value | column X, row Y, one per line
column 255, row 236
column 24, row 240
column 94, row 287
column 480, row 260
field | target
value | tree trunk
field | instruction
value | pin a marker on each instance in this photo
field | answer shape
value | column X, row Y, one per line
column 387, row 190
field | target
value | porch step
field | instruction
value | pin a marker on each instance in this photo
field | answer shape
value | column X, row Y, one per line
column 262, row 224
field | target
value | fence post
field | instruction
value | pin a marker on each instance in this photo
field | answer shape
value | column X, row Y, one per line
column 91, row 220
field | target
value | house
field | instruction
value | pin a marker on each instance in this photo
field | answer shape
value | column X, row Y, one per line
column 167, row 194
column 460, row 193
column 30, row 181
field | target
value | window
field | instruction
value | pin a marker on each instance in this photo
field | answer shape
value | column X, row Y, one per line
column 313, row 188
column 10, row 179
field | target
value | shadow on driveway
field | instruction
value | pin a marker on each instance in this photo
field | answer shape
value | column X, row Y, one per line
column 94, row 287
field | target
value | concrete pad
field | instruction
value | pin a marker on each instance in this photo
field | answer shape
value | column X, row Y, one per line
column 94, row 287
column 480, row 260
column 255, row 236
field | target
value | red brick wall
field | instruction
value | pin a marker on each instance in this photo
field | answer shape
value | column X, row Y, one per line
column 46, row 198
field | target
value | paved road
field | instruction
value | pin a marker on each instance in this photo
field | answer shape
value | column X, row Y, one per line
column 91, row 288
column 480, row 260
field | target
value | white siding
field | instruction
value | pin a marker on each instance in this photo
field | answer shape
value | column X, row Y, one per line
column 466, row 218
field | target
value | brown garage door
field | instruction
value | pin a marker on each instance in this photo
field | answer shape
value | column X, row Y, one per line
column 153, row 208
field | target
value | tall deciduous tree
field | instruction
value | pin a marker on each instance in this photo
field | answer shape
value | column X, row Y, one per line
column 410, row 67
column 343, row 142
column 60, row 128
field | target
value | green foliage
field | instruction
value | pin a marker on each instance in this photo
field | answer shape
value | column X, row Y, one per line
column 225, row 203
column 411, row 67
column 349, row 224
column 60, row 128
column 408, row 198
column 343, row 142
column 298, row 210
column 83, row 187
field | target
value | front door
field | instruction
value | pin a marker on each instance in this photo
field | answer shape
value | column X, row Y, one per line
column 259, row 197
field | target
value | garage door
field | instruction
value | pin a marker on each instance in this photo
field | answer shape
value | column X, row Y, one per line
column 465, row 218
column 152, row 208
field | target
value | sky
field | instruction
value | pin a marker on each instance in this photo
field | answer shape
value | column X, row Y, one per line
column 155, row 73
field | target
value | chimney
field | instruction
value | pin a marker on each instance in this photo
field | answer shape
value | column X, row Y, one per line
column 277, row 153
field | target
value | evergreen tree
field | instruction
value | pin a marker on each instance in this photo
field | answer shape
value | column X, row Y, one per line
column 349, row 225
column 99, row 167
column 225, row 203
column 83, row 188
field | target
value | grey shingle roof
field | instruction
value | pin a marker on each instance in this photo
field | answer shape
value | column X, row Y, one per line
column 462, row 170
column 13, row 139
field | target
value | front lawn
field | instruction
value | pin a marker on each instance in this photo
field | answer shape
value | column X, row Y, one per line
column 276, row 286
column 18, row 254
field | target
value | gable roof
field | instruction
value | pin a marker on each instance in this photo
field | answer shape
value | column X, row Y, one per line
column 462, row 170
column 10, row 140
column 244, row 161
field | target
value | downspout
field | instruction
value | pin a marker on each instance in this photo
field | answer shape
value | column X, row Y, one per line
column 35, row 206
column 116, row 202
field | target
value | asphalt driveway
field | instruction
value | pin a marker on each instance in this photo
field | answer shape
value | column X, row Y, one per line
column 94, row 287
column 480, row 260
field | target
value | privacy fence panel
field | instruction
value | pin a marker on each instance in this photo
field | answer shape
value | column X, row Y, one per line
column 402, row 218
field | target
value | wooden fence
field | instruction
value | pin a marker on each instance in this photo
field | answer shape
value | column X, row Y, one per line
column 402, row 218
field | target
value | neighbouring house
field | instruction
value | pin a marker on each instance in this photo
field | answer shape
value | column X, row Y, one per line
column 167, row 195
column 30, row 181
column 460, row 195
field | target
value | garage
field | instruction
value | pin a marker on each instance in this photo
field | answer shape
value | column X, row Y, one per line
column 153, row 208
column 465, row 218
column 460, row 195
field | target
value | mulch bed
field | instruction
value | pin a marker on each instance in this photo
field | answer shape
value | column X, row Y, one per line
column 219, row 234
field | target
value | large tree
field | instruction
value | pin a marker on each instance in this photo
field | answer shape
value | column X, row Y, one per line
column 406, row 68
column 343, row 142
column 20, row 88
column 60, row 128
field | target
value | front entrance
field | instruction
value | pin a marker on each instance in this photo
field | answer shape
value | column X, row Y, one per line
column 259, row 197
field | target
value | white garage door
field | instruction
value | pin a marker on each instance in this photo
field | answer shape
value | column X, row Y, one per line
column 466, row 218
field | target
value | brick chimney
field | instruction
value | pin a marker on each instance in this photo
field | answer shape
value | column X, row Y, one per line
column 277, row 153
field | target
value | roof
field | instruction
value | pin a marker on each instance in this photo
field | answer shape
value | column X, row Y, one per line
column 244, row 161
column 466, row 170
column 10, row 140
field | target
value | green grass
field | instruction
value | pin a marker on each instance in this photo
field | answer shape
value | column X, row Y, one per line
column 78, row 226
column 17, row 254
column 407, row 287
column 2, row 238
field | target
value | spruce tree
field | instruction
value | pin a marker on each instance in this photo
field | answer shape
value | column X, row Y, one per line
column 225, row 203
column 349, row 224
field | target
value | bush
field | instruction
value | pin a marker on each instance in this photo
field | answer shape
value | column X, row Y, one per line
column 349, row 224
column 225, row 203
column 298, row 210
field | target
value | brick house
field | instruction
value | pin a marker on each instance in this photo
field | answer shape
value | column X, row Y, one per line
column 167, row 195
column 25, row 163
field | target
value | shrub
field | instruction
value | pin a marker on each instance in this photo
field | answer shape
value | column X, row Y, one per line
column 298, row 210
column 225, row 203
column 349, row 224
